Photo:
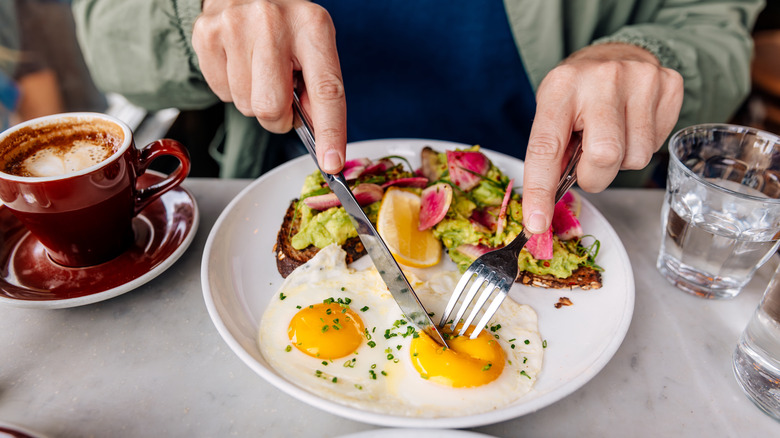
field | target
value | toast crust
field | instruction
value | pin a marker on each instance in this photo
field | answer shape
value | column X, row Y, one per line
column 289, row 258
column 584, row 277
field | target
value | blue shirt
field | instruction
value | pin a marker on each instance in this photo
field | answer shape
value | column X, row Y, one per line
column 445, row 70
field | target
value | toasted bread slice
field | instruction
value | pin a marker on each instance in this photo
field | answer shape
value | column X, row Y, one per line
column 584, row 278
column 289, row 258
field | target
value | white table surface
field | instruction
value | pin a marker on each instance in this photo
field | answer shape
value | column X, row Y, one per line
column 151, row 363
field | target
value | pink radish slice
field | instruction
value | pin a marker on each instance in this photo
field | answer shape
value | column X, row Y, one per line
column 565, row 223
column 364, row 194
column 430, row 167
column 414, row 181
column 354, row 168
column 541, row 245
column 353, row 172
column 473, row 251
column 379, row 166
column 434, row 204
column 466, row 167
column 486, row 217
column 504, row 203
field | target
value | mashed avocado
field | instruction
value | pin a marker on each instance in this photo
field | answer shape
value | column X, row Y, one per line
column 330, row 226
column 564, row 261
column 457, row 229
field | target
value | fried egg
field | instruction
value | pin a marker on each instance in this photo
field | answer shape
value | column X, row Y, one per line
column 338, row 333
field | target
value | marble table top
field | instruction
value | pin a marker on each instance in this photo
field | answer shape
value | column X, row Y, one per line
column 151, row 363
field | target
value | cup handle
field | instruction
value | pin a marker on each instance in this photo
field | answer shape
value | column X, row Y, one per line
column 149, row 153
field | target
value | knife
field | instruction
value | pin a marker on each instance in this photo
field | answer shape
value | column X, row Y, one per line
column 386, row 265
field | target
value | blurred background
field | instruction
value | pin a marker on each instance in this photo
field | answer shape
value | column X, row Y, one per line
column 42, row 71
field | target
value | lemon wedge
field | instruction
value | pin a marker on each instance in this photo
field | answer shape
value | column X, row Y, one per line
column 397, row 223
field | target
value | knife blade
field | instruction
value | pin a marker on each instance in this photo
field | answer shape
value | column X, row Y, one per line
column 376, row 248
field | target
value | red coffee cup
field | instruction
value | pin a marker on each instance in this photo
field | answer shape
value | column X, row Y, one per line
column 82, row 217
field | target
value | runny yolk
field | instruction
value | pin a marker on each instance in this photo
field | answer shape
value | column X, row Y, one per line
column 326, row 330
column 467, row 363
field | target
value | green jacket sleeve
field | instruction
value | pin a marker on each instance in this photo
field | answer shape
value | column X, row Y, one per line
column 142, row 49
column 707, row 41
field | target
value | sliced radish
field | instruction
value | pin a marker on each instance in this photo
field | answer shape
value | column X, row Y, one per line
column 486, row 217
column 434, row 203
column 504, row 203
column 467, row 168
column 474, row 251
column 413, row 181
column 572, row 201
column 379, row 166
column 364, row 194
column 353, row 172
column 565, row 222
column 430, row 167
column 541, row 245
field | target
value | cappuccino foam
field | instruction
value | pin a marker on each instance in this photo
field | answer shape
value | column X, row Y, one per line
column 57, row 160
column 59, row 148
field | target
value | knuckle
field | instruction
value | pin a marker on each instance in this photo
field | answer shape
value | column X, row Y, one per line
column 279, row 126
column 544, row 146
column 636, row 161
column 605, row 153
column 329, row 88
column 312, row 14
column 267, row 110
column 560, row 76
column 243, row 108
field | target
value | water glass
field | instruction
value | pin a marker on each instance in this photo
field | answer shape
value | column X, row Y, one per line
column 721, row 212
column 757, row 356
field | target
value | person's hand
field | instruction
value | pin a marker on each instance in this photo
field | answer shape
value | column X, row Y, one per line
column 248, row 51
column 624, row 103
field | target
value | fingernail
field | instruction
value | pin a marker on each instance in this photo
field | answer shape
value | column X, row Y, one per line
column 536, row 223
column 332, row 161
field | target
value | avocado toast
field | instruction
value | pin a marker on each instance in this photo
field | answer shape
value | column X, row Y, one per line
column 469, row 204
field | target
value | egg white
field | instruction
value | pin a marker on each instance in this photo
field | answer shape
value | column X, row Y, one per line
column 382, row 378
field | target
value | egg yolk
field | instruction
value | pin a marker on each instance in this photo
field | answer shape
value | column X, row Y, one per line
column 326, row 330
column 466, row 363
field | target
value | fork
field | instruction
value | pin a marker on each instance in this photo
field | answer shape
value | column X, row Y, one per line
column 497, row 270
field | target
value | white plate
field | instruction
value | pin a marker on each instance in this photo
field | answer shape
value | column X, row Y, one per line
column 239, row 277
column 406, row 433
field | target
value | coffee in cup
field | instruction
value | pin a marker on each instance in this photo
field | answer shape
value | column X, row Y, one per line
column 71, row 180
column 62, row 148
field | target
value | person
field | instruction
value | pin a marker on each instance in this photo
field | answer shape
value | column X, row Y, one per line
column 625, row 73
column 41, row 62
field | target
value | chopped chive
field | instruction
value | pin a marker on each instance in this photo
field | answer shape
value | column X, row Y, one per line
column 282, row 295
column 364, row 308
column 288, row 348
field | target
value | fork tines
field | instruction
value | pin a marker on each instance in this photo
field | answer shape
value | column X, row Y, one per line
column 483, row 279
